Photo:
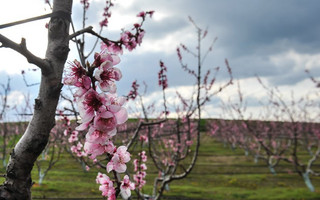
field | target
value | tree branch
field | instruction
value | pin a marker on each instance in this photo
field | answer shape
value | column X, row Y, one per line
column 80, row 32
column 21, row 48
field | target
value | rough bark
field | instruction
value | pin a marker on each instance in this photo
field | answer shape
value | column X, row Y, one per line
column 18, row 183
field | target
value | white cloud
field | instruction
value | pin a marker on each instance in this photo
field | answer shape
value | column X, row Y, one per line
column 256, row 97
column 299, row 60
column 125, row 4
column 16, row 98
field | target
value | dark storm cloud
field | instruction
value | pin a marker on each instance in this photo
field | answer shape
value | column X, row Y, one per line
column 267, row 23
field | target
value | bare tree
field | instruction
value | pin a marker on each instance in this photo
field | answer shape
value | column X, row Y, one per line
column 170, row 141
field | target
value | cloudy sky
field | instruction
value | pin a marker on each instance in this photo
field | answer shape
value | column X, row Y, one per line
column 276, row 40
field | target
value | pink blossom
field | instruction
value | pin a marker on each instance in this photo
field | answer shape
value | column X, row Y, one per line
column 77, row 77
column 104, row 58
column 126, row 187
column 144, row 138
column 93, row 149
column 140, row 37
column 136, row 25
column 143, row 166
column 106, row 186
column 128, row 40
column 105, row 121
column 83, row 126
column 81, row 154
column 143, row 156
column 112, row 47
column 104, row 22
column 139, row 179
column 65, row 132
column 112, row 194
column 73, row 137
column 76, row 73
column 121, row 116
column 106, row 74
column 88, row 104
column 78, row 150
column 96, row 136
column 74, row 149
column 141, row 14
column 119, row 160
column 96, row 149
column 106, row 14
column 114, row 105
column 140, row 170
column 83, row 85
column 99, row 176
column 109, row 147
column 134, row 91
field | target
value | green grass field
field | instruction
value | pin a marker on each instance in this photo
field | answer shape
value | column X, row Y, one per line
column 220, row 173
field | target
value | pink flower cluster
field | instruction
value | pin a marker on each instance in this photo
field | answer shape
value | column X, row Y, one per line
column 101, row 113
column 127, row 39
column 77, row 147
column 140, row 169
column 126, row 187
column 163, row 80
column 100, row 109
column 143, row 14
column 106, row 13
column 134, row 91
column 107, row 188
column 73, row 137
column 119, row 160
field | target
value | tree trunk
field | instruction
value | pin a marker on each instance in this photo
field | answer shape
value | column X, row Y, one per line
column 308, row 182
column 17, row 185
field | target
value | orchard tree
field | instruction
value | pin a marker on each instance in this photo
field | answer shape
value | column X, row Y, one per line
column 173, row 144
column 292, row 137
